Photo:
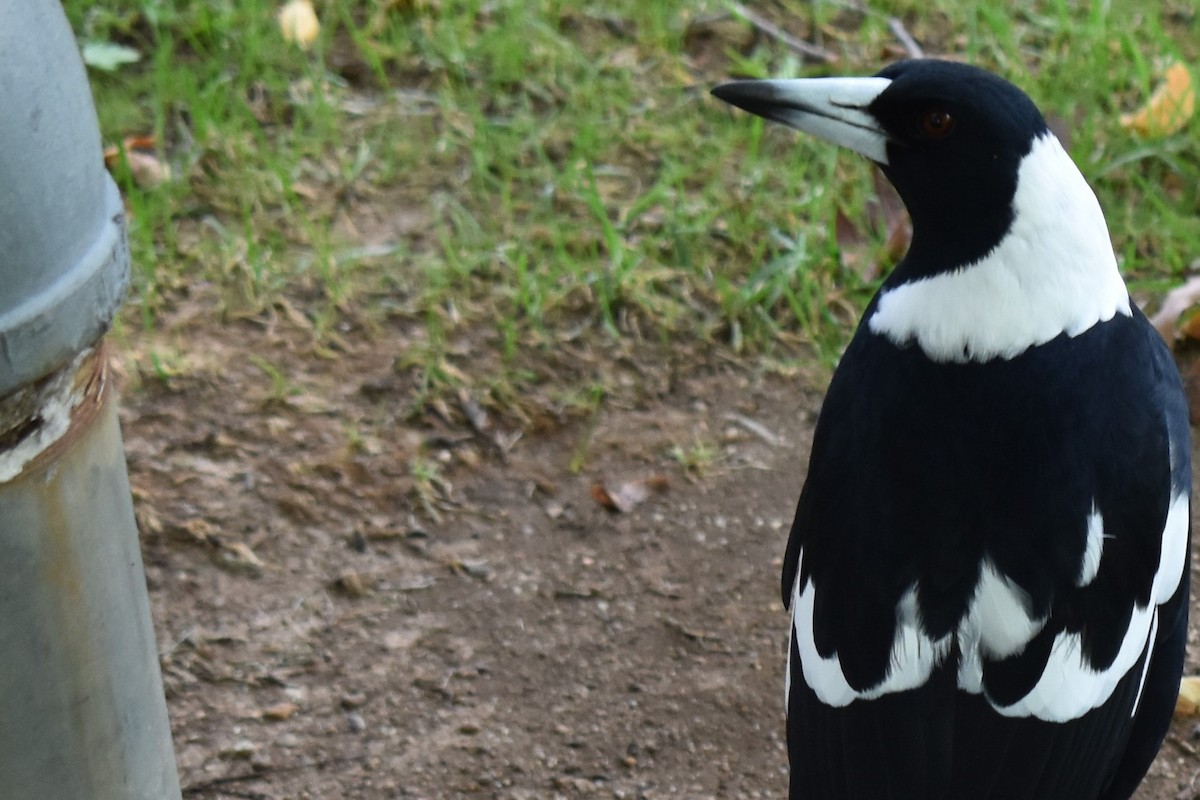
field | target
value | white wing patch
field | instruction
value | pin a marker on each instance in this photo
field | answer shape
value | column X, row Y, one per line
column 998, row 623
column 1094, row 548
column 1000, row 612
column 1069, row 687
column 913, row 656
column 1054, row 272
column 1174, row 550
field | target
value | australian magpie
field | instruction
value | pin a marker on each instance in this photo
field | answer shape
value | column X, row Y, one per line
column 988, row 568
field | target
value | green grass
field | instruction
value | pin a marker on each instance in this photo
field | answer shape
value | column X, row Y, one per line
column 561, row 168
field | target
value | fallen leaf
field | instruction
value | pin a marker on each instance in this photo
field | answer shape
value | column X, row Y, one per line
column 1168, row 109
column 629, row 495
column 298, row 22
column 146, row 168
column 146, row 141
column 1174, row 306
column 1187, row 704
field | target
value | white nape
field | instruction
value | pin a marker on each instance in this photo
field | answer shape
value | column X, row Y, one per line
column 1054, row 272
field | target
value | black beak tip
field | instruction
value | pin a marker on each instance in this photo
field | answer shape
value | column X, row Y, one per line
column 757, row 97
column 736, row 93
column 721, row 91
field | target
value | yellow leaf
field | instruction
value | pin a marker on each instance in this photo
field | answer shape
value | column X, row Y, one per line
column 1168, row 109
column 298, row 22
column 1188, row 702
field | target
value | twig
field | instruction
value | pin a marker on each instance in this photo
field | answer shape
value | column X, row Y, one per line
column 757, row 428
column 775, row 32
column 901, row 33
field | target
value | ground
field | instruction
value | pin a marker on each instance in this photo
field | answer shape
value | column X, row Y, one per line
column 410, row 302
column 355, row 602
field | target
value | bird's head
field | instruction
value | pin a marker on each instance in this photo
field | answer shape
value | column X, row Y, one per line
column 950, row 137
column 986, row 184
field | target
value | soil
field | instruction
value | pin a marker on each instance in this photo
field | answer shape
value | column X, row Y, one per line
column 356, row 599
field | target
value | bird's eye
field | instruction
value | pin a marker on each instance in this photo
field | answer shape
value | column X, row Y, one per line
column 935, row 124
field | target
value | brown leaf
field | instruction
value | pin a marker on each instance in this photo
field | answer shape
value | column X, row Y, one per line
column 146, row 168
column 629, row 495
column 601, row 496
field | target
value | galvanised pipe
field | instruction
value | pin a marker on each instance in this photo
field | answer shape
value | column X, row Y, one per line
column 82, row 712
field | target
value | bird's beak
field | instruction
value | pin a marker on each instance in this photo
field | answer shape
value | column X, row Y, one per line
column 834, row 109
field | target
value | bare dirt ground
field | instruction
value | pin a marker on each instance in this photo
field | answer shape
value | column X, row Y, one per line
column 335, row 624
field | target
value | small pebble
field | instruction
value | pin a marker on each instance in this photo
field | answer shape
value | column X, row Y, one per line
column 354, row 700
column 355, row 722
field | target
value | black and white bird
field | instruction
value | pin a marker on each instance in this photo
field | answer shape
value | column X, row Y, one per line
column 988, row 568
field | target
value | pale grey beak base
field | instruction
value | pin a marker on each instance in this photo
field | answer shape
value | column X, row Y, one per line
column 833, row 109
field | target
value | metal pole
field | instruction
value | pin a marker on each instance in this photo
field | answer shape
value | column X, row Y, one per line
column 82, row 712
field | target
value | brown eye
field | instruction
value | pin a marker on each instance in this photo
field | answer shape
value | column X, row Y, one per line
column 936, row 124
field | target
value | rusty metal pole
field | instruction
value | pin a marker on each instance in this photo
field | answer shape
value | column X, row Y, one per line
column 82, row 712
